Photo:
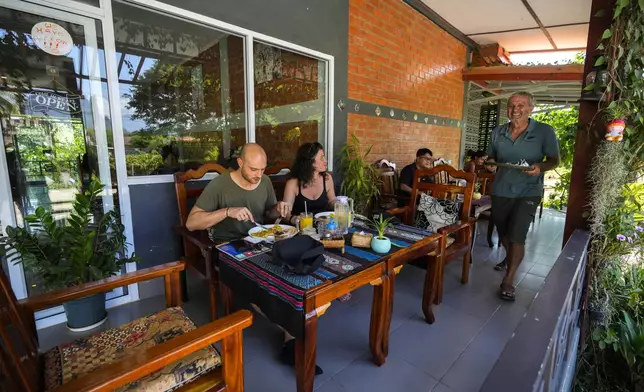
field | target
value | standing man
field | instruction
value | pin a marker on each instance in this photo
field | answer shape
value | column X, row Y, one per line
column 424, row 161
column 516, row 193
column 232, row 202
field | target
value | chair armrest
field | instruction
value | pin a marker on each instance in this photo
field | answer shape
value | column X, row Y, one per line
column 136, row 366
column 53, row 298
column 460, row 225
column 195, row 238
column 398, row 211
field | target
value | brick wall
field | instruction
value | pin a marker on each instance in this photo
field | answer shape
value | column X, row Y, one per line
column 399, row 58
column 398, row 141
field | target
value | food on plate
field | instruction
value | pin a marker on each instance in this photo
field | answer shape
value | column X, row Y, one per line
column 275, row 230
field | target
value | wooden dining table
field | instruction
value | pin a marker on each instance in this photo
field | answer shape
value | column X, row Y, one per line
column 295, row 301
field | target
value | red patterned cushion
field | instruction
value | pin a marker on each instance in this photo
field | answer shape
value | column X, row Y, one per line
column 72, row 360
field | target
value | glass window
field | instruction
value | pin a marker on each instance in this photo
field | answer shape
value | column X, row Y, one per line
column 182, row 92
column 290, row 101
column 54, row 119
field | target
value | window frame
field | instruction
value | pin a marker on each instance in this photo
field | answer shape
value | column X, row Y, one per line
column 249, row 37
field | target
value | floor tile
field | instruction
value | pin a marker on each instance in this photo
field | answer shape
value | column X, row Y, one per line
column 532, row 282
column 433, row 348
column 331, row 386
column 440, row 387
column 395, row 375
column 540, row 270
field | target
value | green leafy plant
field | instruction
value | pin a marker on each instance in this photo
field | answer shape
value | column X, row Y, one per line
column 88, row 246
column 631, row 346
column 380, row 225
column 360, row 178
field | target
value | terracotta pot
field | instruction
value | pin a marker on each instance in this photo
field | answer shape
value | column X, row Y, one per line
column 615, row 130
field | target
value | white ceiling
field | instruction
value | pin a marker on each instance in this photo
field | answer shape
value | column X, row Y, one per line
column 488, row 22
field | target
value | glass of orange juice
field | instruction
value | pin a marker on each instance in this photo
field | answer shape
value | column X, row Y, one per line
column 306, row 221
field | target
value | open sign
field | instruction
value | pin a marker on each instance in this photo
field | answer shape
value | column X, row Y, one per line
column 41, row 101
column 52, row 38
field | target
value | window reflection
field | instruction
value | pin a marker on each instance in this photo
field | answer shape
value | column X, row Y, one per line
column 290, row 91
column 182, row 92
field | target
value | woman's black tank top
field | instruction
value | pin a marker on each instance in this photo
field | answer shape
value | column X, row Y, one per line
column 321, row 204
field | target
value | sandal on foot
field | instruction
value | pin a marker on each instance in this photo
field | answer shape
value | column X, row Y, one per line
column 508, row 295
column 502, row 266
column 345, row 297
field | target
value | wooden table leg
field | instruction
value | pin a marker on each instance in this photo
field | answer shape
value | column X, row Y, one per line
column 379, row 309
column 226, row 298
column 305, row 355
column 431, row 276
column 386, row 327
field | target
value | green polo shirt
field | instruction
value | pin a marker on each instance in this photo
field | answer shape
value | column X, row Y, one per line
column 534, row 145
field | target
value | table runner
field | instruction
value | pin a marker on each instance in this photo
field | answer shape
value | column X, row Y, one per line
column 280, row 293
column 290, row 287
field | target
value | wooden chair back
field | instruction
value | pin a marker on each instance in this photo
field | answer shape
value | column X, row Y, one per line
column 486, row 179
column 442, row 190
column 388, row 187
column 184, row 193
column 19, row 365
column 277, row 167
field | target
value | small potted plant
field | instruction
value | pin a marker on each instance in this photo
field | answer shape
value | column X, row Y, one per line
column 616, row 115
column 88, row 246
column 380, row 243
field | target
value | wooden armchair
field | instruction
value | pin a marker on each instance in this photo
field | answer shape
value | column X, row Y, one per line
column 458, row 235
column 157, row 352
column 199, row 250
column 389, row 197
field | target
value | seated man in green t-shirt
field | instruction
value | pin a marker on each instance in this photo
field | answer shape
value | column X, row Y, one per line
column 232, row 202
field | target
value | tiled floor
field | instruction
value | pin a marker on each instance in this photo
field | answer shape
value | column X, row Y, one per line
column 454, row 354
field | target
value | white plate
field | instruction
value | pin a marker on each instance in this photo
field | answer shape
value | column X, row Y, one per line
column 292, row 231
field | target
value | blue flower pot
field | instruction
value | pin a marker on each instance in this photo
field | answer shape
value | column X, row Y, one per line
column 85, row 313
column 381, row 245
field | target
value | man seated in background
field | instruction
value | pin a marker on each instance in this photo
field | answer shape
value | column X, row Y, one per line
column 424, row 161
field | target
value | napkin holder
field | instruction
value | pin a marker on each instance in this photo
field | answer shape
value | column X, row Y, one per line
column 361, row 239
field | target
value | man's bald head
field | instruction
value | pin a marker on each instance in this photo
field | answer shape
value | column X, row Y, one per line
column 252, row 162
column 251, row 151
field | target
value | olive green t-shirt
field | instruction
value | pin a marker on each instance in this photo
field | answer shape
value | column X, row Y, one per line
column 223, row 192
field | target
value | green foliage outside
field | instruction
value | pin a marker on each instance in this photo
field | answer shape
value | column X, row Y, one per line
column 564, row 121
column 84, row 248
column 613, row 356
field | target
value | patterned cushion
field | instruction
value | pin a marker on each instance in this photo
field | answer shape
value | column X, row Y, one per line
column 436, row 213
column 72, row 360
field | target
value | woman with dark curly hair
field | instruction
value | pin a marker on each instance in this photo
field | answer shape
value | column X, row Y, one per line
column 309, row 183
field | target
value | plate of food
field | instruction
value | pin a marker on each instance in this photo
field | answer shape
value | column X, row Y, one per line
column 270, row 232
column 521, row 165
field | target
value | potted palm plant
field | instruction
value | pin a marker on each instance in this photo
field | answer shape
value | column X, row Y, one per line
column 86, row 247
column 360, row 179
column 380, row 243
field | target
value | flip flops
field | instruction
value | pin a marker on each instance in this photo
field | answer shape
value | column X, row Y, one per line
column 502, row 266
column 508, row 295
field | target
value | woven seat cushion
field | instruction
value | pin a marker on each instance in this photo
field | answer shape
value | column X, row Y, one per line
column 73, row 360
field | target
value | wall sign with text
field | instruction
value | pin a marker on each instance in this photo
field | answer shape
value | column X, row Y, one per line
column 52, row 38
